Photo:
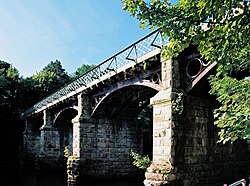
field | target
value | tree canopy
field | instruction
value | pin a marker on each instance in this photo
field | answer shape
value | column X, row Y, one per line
column 52, row 77
column 10, row 127
column 9, row 84
column 221, row 30
column 82, row 70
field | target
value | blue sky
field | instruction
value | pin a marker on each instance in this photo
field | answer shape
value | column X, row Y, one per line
column 76, row 32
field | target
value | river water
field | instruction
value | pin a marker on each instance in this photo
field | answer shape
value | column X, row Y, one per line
column 13, row 175
column 32, row 178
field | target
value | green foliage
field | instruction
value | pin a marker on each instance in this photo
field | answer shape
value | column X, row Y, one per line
column 177, row 102
column 209, row 24
column 60, row 75
column 9, row 83
column 52, row 77
column 142, row 162
column 45, row 81
column 221, row 30
column 66, row 152
column 82, row 70
column 233, row 116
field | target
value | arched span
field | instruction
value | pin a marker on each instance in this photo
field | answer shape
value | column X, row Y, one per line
column 125, row 98
column 74, row 108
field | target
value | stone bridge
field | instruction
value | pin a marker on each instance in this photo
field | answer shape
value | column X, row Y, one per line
column 98, row 119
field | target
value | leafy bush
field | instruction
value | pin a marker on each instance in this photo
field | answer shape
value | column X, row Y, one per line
column 142, row 162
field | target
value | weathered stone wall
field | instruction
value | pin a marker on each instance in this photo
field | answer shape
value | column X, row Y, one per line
column 185, row 150
column 31, row 139
column 198, row 158
column 103, row 145
column 43, row 146
column 50, row 143
column 44, row 149
column 106, row 147
column 32, row 143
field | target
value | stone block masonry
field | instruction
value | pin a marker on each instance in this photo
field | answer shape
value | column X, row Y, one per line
column 185, row 147
column 103, row 145
column 106, row 146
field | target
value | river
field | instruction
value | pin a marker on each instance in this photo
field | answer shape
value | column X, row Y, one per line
column 33, row 178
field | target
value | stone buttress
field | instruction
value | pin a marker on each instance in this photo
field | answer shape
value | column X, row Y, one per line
column 185, row 147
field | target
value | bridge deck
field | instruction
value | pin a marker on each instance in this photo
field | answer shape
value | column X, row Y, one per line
column 138, row 52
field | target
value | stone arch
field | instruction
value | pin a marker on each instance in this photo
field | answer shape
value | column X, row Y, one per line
column 63, row 110
column 63, row 125
column 118, row 118
column 140, row 91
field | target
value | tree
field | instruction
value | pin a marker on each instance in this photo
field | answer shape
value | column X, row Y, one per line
column 9, row 83
column 29, row 94
column 52, row 77
column 221, row 30
column 33, row 89
column 82, row 70
column 10, row 124
column 60, row 75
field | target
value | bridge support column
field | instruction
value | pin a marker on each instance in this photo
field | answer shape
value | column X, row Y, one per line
column 27, row 152
column 27, row 136
column 48, row 156
column 185, row 148
column 161, row 171
column 46, row 127
column 81, row 123
column 46, row 140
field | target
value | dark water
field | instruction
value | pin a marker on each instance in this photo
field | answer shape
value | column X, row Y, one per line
column 29, row 178
column 13, row 175
column 32, row 178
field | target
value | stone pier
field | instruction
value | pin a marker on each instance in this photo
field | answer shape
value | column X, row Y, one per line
column 185, row 149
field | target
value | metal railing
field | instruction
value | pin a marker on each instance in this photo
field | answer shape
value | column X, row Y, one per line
column 131, row 53
column 240, row 182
